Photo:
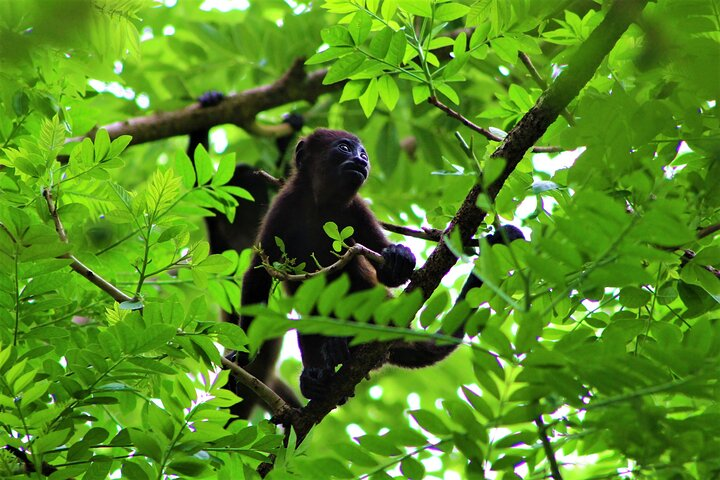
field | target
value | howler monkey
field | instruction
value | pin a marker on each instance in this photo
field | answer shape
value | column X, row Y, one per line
column 330, row 167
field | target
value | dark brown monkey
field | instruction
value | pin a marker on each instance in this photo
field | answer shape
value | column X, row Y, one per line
column 330, row 167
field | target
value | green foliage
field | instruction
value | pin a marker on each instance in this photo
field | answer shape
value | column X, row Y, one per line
column 603, row 327
column 338, row 237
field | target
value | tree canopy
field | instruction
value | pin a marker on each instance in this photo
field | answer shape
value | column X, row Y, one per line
column 591, row 124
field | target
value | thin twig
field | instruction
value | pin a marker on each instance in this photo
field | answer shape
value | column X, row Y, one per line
column 432, row 234
column 482, row 131
column 689, row 255
column 525, row 59
column 351, row 253
column 277, row 405
column 76, row 264
column 547, row 446
column 278, row 182
column 707, row 231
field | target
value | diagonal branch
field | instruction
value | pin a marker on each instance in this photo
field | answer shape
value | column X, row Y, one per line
column 519, row 140
column 76, row 264
column 277, row 405
column 547, row 447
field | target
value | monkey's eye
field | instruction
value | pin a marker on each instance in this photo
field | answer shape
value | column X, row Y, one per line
column 344, row 147
column 364, row 156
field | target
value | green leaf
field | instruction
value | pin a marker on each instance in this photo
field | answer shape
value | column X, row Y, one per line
column 359, row 27
column 389, row 91
column 337, row 35
column 333, row 294
column 52, row 136
column 214, row 264
column 347, row 232
column 102, row 144
column 188, row 466
column 448, row 91
column 146, row 444
column 344, row 67
column 328, row 54
column 131, row 469
column 448, row 12
column 331, row 230
column 506, row 48
column 185, row 169
column 633, row 297
column 353, row 89
column 138, row 305
column 378, row 444
column 203, row 165
column 430, row 422
column 380, row 43
column 412, row 469
column 20, row 103
column 396, row 51
column 225, row 171
column 421, row 8
column 368, row 100
column 118, row 146
column 492, row 171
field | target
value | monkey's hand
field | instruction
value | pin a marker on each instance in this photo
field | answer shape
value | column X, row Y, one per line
column 210, row 98
column 505, row 234
column 399, row 265
column 335, row 351
column 315, row 383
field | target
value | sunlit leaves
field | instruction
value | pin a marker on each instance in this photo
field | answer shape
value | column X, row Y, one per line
column 344, row 67
column 162, row 190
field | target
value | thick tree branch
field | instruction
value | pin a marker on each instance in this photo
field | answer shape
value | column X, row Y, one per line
column 238, row 109
column 76, row 264
column 519, row 140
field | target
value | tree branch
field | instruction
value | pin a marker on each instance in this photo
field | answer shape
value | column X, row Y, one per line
column 525, row 59
column 76, row 264
column 432, row 234
column 547, row 447
column 277, row 405
column 433, row 100
column 239, row 109
column 351, row 253
column 519, row 140
column 707, row 231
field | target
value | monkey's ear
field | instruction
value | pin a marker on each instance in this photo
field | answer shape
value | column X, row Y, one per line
column 300, row 153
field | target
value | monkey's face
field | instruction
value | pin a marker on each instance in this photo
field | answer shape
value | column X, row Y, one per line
column 350, row 161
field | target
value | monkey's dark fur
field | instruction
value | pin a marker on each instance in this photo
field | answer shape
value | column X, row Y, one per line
column 331, row 166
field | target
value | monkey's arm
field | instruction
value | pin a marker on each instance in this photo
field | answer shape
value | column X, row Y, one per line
column 399, row 259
